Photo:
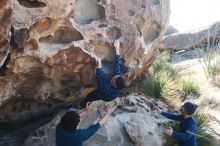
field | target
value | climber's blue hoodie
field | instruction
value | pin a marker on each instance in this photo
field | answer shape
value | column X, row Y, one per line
column 187, row 128
column 106, row 90
column 75, row 138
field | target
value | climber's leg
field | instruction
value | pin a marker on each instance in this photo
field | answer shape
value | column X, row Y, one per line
column 92, row 96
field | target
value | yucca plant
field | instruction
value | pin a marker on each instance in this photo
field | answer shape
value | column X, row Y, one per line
column 204, row 136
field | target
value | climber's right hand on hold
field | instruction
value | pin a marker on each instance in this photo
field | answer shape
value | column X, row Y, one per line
column 117, row 47
column 99, row 65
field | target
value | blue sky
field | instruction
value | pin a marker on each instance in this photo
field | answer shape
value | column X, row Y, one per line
column 194, row 14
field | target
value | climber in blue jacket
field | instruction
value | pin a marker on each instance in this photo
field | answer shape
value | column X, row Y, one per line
column 188, row 125
column 107, row 89
column 67, row 133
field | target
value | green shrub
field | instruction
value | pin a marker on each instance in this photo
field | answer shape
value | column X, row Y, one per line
column 204, row 136
column 189, row 89
column 159, row 77
column 154, row 86
column 214, row 69
column 162, row 67
column 211, row 60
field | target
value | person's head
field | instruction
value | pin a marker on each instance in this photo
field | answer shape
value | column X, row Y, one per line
column 118, row 82
column 70, row 121
column 188, row 108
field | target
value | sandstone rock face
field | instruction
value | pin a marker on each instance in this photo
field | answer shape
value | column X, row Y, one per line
column 184, row 41
column 5, row 26
column 140, row 127
column 49, row 48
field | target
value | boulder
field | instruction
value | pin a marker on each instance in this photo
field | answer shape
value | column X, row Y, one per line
column 192, row 39
column 5, row 28
column 171, row 30
column 143, row 127
column 49, row 50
